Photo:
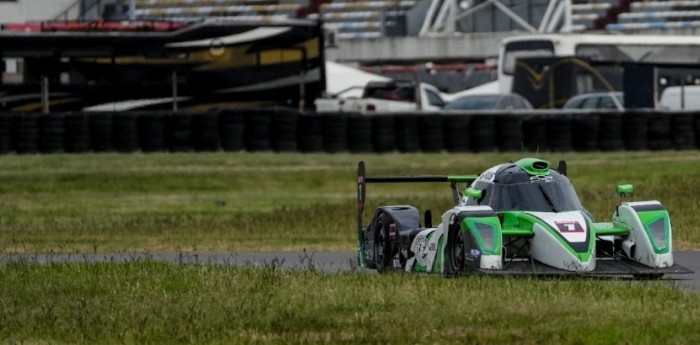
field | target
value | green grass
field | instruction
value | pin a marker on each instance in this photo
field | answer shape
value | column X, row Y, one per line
column 147, row 302
column 273, row 202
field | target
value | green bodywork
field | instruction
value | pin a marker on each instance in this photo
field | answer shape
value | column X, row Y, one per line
column 534, row 166
column 471, row 225
column 648, row 218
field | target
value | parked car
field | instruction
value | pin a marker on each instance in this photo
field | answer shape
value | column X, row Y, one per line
column 680, row 98
column 386, row 96
column 489, row 102
column 597, row 100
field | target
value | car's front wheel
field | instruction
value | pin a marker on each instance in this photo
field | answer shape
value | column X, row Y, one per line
column 381, row 242
column 456, row 243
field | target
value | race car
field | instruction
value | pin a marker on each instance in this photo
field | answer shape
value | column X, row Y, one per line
column 521, row 218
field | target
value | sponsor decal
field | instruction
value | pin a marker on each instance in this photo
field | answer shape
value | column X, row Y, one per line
column 421, row 245
column 473, row 254
column 360, row 179
column 396, row 263
column 488, row 176
column 392, row 230
column 539, row 178
column 433, row 247
column 569, row 226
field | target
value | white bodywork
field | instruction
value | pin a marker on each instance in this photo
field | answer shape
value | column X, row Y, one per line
column 643, row 253
column 546, row 248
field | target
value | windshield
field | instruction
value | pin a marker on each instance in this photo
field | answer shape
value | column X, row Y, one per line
column 473, row 102
column 538, row 196
column 523, row 49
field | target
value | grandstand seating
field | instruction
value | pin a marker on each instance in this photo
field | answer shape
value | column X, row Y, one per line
column 350, row 19
column 197, row 9
column 649, row 15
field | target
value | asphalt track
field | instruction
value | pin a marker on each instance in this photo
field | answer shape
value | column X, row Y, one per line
column 326, row 261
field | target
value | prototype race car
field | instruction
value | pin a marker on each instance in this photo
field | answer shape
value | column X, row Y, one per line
column 516, row 218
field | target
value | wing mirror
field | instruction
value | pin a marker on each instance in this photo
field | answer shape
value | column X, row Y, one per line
column 624, row 189
column 473, row 193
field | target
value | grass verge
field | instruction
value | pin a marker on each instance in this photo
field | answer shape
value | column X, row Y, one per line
column 228, row 202
column 149, row 302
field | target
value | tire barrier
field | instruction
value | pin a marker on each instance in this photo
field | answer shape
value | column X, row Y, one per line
column 286, row 130
column 179, row 132
column 77, row 133
column 659, row 133
column 6, row 133
column 683, row 130
column 456, row 130
column 232, row 129
column 310, row 133
column 634, row 130
column 151, row 131
column 482, row 134
column 610, row 132
column 25, row 129
column 359, row 134
column 257, row 130
column 335, row 132
column 430, row 132
column 584, row 132
column 383, row 133
column 205, row 131
column 407, row 133
column 559, row 136
column 535, row 133
column 508, row 133
column 125, row 132
column 101, row 129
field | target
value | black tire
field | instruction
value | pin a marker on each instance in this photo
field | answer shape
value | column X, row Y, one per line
column 101, row 128
column 456, row 242
column 25, row 133
column 77, row 135
column 205, row 132
column 535, row 133
column 359, row 133
column 584, row 134
column 179, row 132
column 51, row 133
column 509, row 133
column 634, row 130
column 125, row 132
column 407, row 133
column 382, row 243
column 5, row 133
column 310, row 133
column 232, row 129
column 430, row 132
column 660, row 132
column 682, row 131
column 151, row 131
column 559, row 136
column 257, row 130
column 482, row 133
column 285, row 126
column 610, row 132
column 383, row 133
column 456, row 132
column 335, row 132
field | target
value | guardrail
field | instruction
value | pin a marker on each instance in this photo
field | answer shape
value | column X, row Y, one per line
column 286, row 130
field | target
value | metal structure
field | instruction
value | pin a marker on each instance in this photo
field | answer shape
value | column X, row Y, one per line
column 443, row 15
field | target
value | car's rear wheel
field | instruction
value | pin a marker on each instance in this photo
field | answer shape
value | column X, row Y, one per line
column 382, row 243
column 456, row 249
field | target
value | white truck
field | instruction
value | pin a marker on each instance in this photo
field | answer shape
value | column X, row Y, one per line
column 385, row 97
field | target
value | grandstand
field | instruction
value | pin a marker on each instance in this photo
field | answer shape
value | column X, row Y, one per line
column 370, row 31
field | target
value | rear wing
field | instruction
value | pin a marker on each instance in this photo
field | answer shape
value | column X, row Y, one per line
column 362, row 180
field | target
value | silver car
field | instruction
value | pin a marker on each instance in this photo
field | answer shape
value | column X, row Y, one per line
column 597, row 100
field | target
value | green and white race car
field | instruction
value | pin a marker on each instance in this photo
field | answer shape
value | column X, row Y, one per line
column 516, row 218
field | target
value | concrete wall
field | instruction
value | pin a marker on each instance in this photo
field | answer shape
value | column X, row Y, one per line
column 26, row 10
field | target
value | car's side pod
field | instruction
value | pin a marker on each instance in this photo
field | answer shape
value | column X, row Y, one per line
column 649, row 238
column 473, row 240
